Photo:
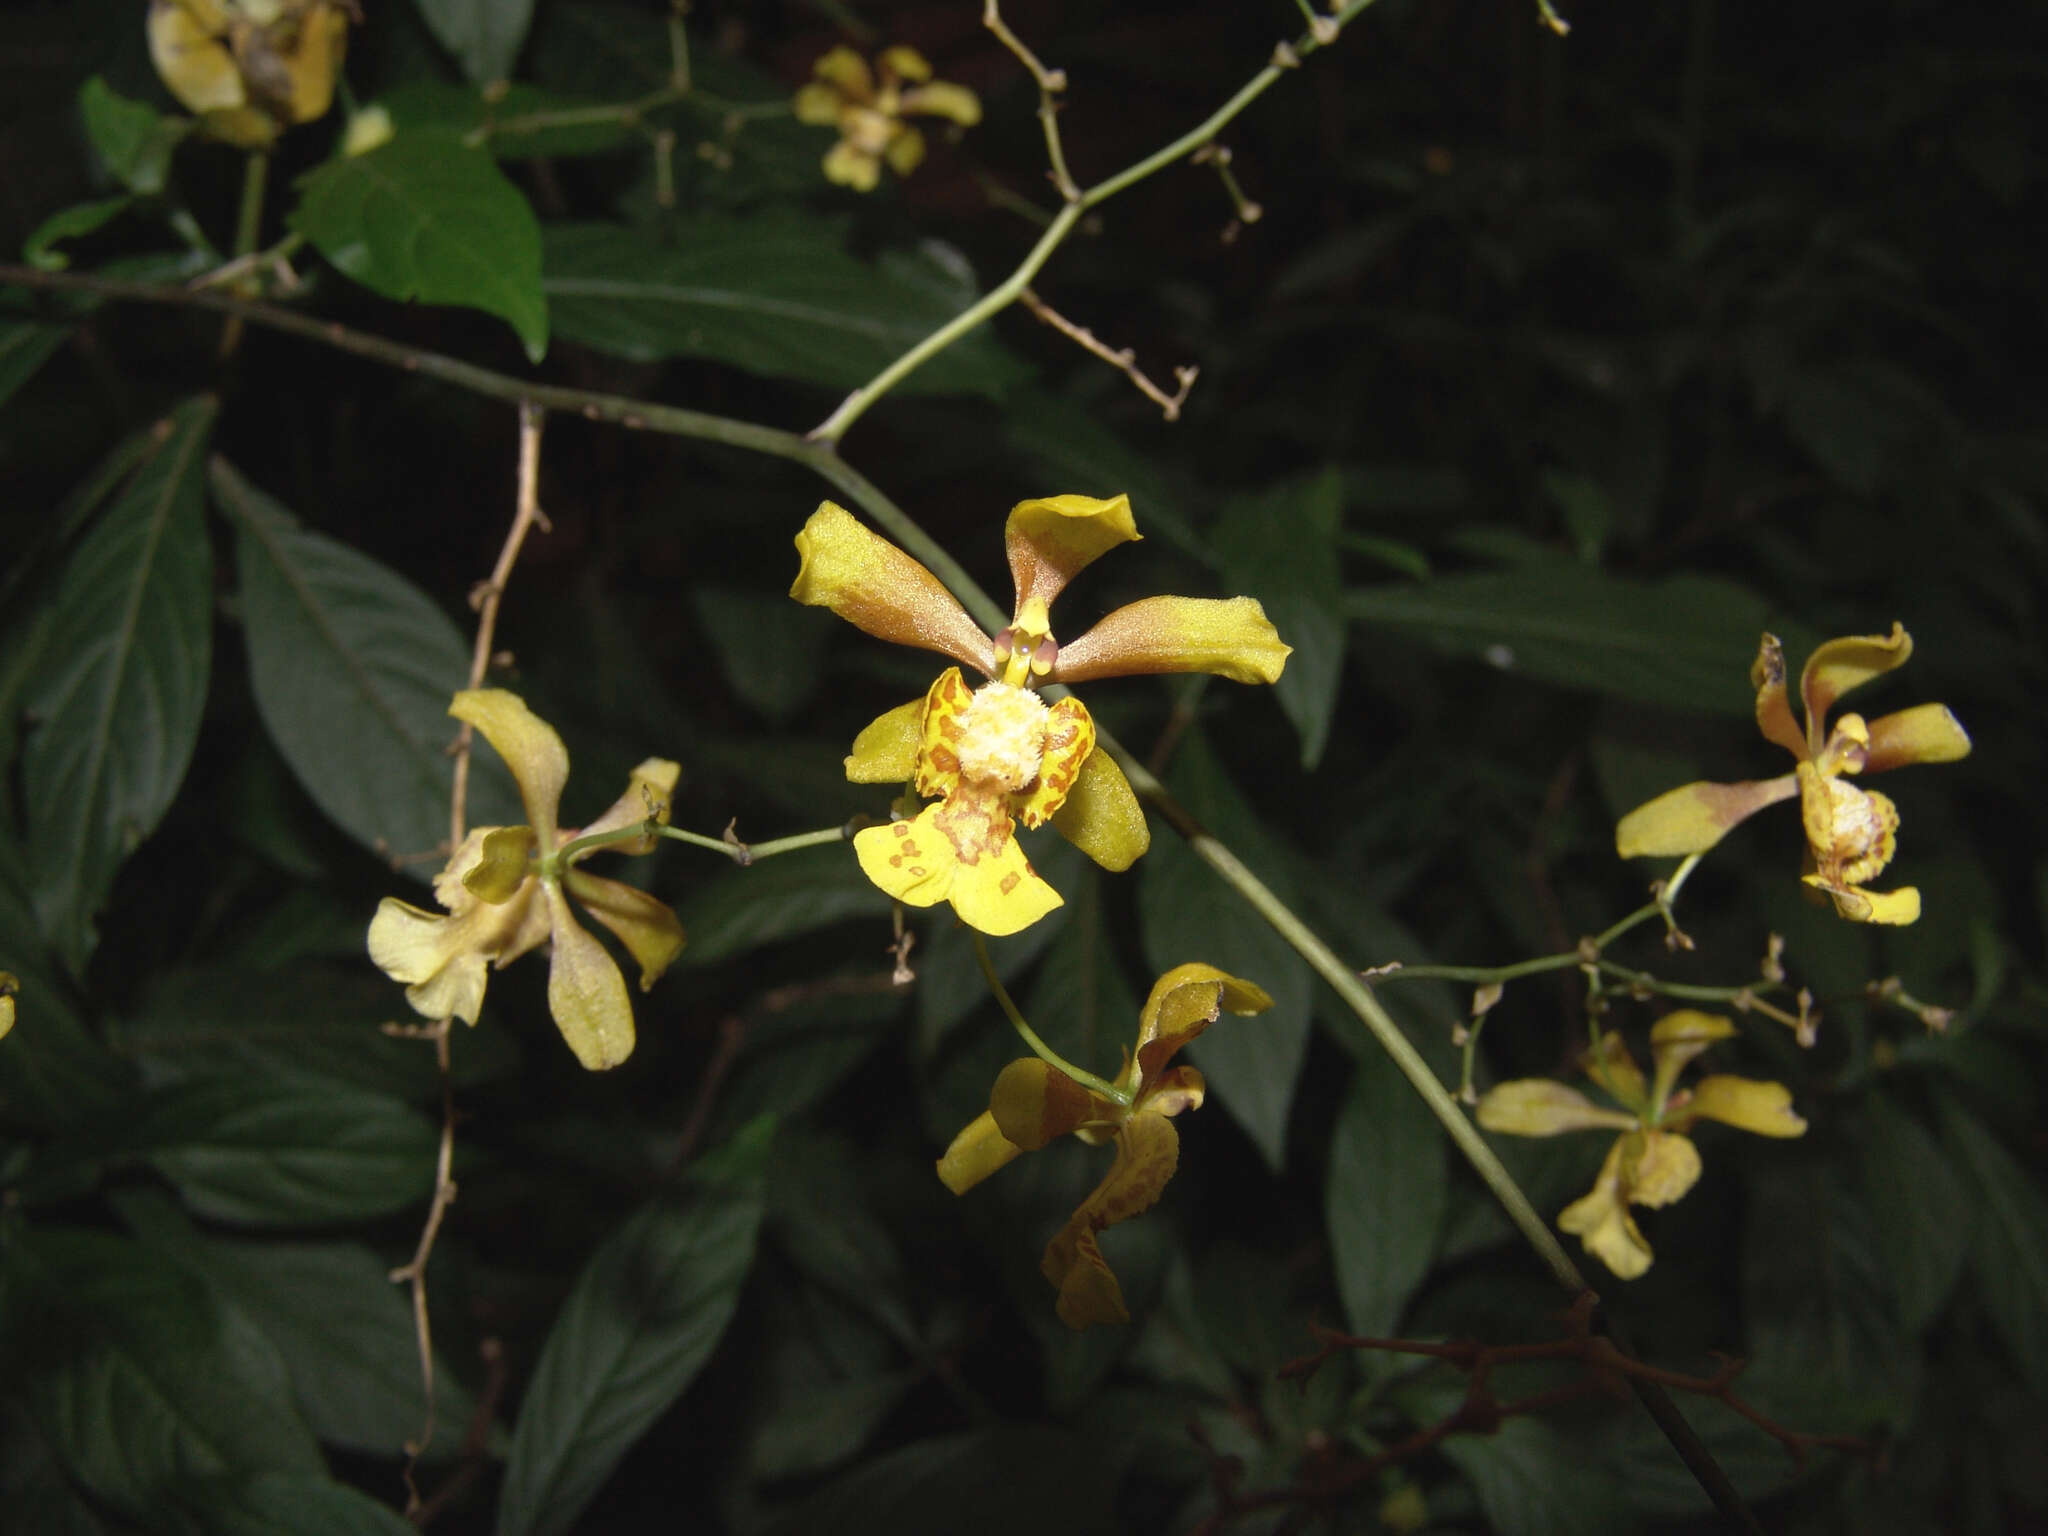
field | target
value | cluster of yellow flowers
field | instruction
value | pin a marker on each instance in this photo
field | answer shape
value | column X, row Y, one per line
column 250, row 68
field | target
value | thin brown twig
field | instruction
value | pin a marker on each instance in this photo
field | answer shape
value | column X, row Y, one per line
column 414, row 1273
column 1124, row 361
column 475, row 1453
column 1050, row 83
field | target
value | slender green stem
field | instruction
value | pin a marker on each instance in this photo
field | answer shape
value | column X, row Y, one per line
column 249, row 221
column 739, row 852
column 1039, row 1048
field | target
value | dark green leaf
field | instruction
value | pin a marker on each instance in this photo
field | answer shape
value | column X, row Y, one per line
column 484, row 35
column 774, row 294
column 1188, row 913
column 133, row 140
column 353, row 668
column 341, row 1327
column 2009, row 1253
column 1386, row 1193
column 425, row 217
column 272, row 1148
column 1533, row 1480
column 25, row 345
column 642, row 1320
column 517, row 122
column 68, row 224
column 136, row 1377
column 1280, row 547
column 280, row 1504
column 1922, row 1211
column 769, row 654
column 778, row 898
column 1683, row 643
column 820, row 1217
column 124, row 679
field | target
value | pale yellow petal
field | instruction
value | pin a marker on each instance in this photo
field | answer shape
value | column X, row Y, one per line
column 905, row 149
column 1184, row 1002
column 885, row 752
column 1926, row 733
column 1893, row 909
column 848, row 165
column 193, row 59
column 1837, row 667
column 978, row 1151
column 944, row 99
column 1676, row 1039
column 646, row 925
column 1658, row 1167
column 1050, row 539
column 848, row 71
column 1773, row 707
column 905, row 63
column 315, row 61
column 10, row 988
column 1230, row 637
column 877, row 588
column 650, row 792
column 1694, row 817
column 530, row 748
column 434, row 955
column 1601, row 1221
column 586, row 993
column 1762, row 1107
column 1536, row 1106
column 818, row 104
column 1102, row 816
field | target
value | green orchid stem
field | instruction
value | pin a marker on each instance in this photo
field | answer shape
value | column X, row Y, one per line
column 750, row 853
column 248, row 228
column 1285, row 57
column 1039, row 1048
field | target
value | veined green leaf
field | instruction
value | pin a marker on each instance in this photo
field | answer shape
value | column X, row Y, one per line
column 305, row 1504
column 1386, row 1193
column 2009, row 1250
column 516, row 122
column 25, row 345
column 774, row 294
column 484, row 35
column 353, row 669
column 425, row 217
column 123, row 682
column 643, row 1318
column 137, row 1378
column 133, row 140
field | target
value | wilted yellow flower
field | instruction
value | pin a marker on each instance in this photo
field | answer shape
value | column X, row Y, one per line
column 1850, row 832
column 502, row 900
column 1653, row 1162
column 1034, row 1103
column 250, row 68
column 998, row 754
column 9, row 989
column 868, row 108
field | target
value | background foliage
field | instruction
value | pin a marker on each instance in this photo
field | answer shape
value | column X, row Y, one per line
column 1554, row 372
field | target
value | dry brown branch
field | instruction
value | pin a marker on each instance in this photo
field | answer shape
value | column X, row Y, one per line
column 1124, row 361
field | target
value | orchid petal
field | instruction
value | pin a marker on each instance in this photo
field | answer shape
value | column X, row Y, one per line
column 910, row 860
column 1175, row 1091
column 1658, row 1167
column 1003, row 894
column 316, row 61
column 1615, row 1070
column 1676, row 1039
column 1230, row 637
column 944, row 99
column 1035, row 1104
column 885, row 752
column 978, row 1151
column 530, row 747
column 1750, row 1105
column 646, row 925
column 586, row 993
column 1069, row 744
column 938, row 749
column 1052, row 538
column 1838, row 666
column 1147, row 1152
column 1926, row 733
column 1851, row 832
column 1694, row 817
column 877, row 588
column 1536, row 1106
column 504, row 856
column 650, row 791
column 905, row 149
column 1600, row 1220
column 10, row 988
column 1773, row 710
column 1183, row 1003
column 1894, row 909
column 1102, row 817
column 848, row 71
column 848, row 165
column 435, row 955
column 818, row 104
column 905, row 63
column 1089, row 1293
column 191, row 58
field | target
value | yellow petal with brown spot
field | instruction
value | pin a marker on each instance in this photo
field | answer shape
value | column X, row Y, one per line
column 1069, row 743
column 910, row 860
column 1001, row 893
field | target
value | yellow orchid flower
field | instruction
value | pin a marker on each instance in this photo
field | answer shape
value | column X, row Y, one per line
column 250, row 68
column 503, row 902
column 998, row 754
column 1034, row 1103
column 1653, row 1162
column 1850, row 832
column 868, row 106
column 10, row 988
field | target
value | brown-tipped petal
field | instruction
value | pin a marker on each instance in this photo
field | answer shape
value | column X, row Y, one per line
column 1694, row 817
column 586, row 993
column 978, row 1151
column 530, row 747
column 649, row 792
column 647, row 926
column 1926, row 733
column 1147, row 1152
column 1035, row 1104
column 1102, row 816
column 1050, row 539
column 1773, row 707
column 1837, row 667
column 1230, row 637
column 1676, row 1039
column 1536, row 1106
column 885, row 752
column 876, row 587
column 1762, row 1107
column 1183, row 1003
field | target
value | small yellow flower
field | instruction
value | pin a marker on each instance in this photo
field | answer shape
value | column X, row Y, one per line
column 1033, row 1103
column 10, row 987
column 998, row 754
column 501, row 902
column 1653, row 1162
column 868, row 108
column 250, row 68
column 1850, row 832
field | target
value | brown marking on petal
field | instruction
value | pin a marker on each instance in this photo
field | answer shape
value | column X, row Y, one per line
column 1009, row 882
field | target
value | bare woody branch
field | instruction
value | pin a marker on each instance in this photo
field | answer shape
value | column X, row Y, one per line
column 1124, row 361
